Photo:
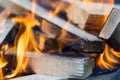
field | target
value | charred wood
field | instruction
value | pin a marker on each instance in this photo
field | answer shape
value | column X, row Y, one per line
column 86, row 46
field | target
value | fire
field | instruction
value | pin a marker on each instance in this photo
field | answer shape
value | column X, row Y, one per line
column 3, row 62
column 25, row 41
column 109, row 59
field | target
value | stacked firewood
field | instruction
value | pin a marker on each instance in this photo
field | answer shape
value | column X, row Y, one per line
column 82, row 34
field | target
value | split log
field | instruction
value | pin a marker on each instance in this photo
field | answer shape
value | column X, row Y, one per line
column 77, row 15
column 88, row 16
column 39, row 62
column 5, row 24
column 60, row 65
column 40, row 11
column 111, row 24
column 85, row 46
column 111, row 29
column 71, row 42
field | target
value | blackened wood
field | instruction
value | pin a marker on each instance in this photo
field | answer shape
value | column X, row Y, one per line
column 86, row 46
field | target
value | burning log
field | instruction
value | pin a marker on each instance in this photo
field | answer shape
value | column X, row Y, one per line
column 77, row 15
column 6, row 26
column 111, row 24
column 40, row 11
column 52, row 65
column 111, row 29
column 88, row 17
column 86, row 46
column 73, row 67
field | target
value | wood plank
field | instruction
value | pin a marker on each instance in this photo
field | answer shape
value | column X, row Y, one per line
column 7, row 26
column 111, row 24
column 40, row 11
column 60, row 65
column 77, row 15
column 85, row 19
column 91, row 8
column 86, row 46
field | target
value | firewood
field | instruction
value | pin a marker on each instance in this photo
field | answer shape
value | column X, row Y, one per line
column 61, row 66
column 77, row 15
column 86, row 46
column 110, row 31
column 111, row 24
column 65, row 66
column 91, row 8
column 7, row 27
column 40, row 11
column 81, row 13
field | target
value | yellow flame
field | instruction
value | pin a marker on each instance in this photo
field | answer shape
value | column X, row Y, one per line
column 109, row 58
column 25, row 41
column 3, row 62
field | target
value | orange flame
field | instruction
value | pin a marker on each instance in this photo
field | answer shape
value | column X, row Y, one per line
column 109, row 58
column 58, row 8
column 25, row 41
column 3, row 62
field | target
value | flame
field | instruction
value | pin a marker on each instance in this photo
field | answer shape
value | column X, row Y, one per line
column 3, row 62
column 25, row 39
column 109, row 59
column 58, row 8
